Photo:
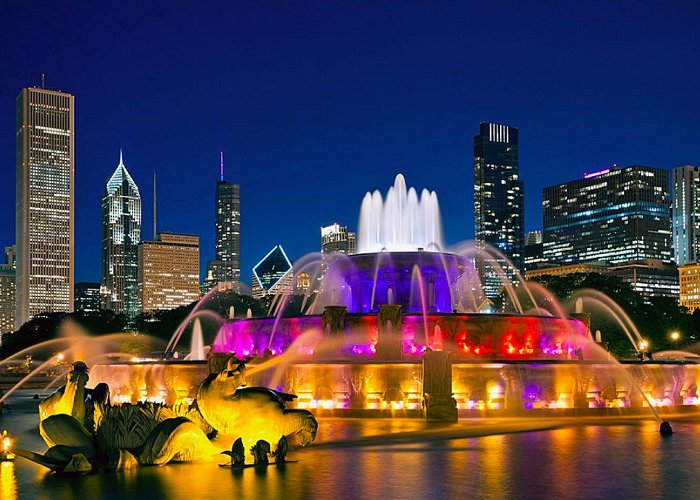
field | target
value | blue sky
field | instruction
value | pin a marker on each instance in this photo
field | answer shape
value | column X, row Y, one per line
column 315, row 103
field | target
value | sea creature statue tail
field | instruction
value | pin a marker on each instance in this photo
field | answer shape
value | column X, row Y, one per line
column 175, row 439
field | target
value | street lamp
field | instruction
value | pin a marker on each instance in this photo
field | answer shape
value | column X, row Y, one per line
column 675, row 336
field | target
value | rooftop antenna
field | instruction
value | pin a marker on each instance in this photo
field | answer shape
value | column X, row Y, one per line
column 43, row 80
column 154, row 204
column 221, row 168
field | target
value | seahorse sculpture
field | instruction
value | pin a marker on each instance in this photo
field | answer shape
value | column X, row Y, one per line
column 84, row 437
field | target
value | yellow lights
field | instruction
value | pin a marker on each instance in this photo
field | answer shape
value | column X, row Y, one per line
column 6, row 447
column 675, row 336
column 643, row 345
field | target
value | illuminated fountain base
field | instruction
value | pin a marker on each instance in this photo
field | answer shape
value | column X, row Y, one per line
column 506, row 388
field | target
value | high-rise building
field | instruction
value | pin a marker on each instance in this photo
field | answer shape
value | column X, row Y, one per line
column 272, row 274
column 533, row 250
column 616, row 215
column 121, row 235
column 337, row 239
column 689, row 281
column 45, row 165
column 168, row 271
column 7, row 291
column 650, row 278
column 226, row 267
column 87, row 297
column 685, row 212
column 498, row 202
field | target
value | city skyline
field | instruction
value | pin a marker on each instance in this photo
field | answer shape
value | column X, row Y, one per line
column 327, row 119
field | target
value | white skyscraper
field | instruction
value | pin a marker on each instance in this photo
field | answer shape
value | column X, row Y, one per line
column 44, row 210
column 685, row 213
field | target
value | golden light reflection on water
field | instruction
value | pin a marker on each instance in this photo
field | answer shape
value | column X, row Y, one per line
column 8, row 481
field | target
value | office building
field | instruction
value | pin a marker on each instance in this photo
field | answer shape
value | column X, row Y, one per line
column 7, row 291
column 685, row 212
column 87, row 297
column 168, row 271
column 650, row 278
column 616, row 215
column 533, row 256
column 689, row 283
column 121, row 235
column 226, row 267
column 44, row 197
column 272, row 274
column 337, row 239
column 498, row 203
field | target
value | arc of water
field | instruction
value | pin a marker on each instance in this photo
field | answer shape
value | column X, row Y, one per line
column 181, row 328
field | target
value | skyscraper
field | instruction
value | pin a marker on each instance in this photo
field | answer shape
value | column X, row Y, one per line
column 226, row 267
column 272, row 274
column 121, row 235
column 169, row 271
column 44, row 211
column 616, row 215
column 7, row 291
column 685, row 213
column 337, row 239
column 87, row 297
column 498, row 201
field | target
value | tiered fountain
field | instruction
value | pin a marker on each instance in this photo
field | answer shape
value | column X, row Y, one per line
column 404, row 328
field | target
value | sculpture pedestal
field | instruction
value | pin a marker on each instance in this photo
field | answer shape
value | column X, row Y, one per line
column 438, row 403
column 389, row 332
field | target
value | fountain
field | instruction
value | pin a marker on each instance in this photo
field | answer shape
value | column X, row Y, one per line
column 404, row 328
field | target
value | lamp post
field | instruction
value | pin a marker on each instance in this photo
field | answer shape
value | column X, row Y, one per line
column 675, row 336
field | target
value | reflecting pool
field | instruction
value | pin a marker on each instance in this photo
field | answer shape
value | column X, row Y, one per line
column 594, row 457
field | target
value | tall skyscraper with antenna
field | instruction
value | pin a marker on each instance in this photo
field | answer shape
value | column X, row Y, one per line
column 121, row 235
column 44, row 210
column 226, row 267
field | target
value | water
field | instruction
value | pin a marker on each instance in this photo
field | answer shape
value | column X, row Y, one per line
column 400, row 222
column 402, row 458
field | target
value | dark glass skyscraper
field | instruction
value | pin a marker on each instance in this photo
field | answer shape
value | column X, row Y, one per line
column 226, row 267
column 121, row 235
column 498, row 200
column 616, row 215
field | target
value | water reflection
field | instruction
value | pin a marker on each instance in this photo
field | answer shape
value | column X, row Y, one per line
column 409, row 457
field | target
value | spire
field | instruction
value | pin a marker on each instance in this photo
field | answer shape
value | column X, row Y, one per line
column 221, row 168
column 121, row 158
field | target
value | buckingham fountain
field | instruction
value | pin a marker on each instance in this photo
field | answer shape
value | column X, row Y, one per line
column 403, row 328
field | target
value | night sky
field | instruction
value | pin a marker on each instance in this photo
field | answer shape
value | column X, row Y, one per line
column 315, row 103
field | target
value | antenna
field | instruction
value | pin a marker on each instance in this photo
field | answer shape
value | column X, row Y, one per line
column 154, row 204
column 43, row 80
column 221, row 169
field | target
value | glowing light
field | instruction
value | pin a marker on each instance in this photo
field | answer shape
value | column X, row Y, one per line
column 675, row 336
column 643, row 345
column 596, row 174
column 6, row 448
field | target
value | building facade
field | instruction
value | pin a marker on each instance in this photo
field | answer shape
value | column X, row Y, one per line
column 650, row 278
column 498, row 202
column 226, row 267
column 168, row 271
column 44, row 202
column 7, row 291
column 685, row 213
column 689, row 283
column 337, row 239
column 616, row 215
column 533, row 256
column 272, row 274
column 121, row 235
column 87, row 297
